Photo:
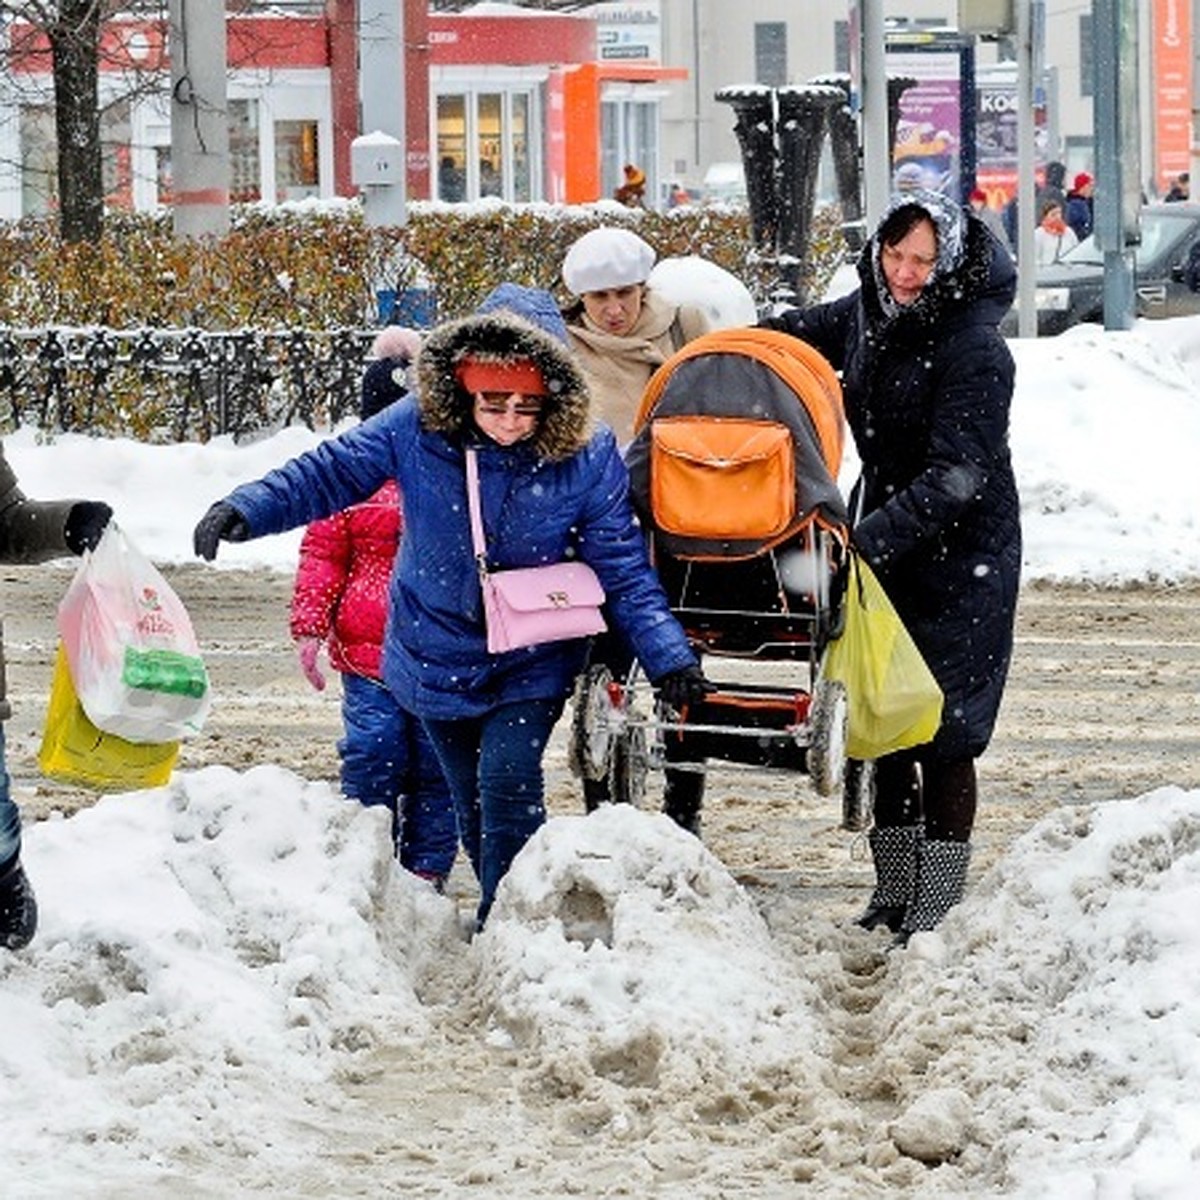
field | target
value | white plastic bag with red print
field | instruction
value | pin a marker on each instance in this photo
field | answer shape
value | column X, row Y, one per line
column 134, row 659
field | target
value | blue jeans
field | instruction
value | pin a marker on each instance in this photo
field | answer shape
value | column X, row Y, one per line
column 494, row 766
column 387, row 759
column 10, row 815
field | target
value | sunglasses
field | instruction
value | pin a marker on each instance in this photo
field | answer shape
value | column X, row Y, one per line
column 496, row 404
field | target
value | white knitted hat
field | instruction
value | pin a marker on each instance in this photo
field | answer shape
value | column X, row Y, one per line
column 606, row 258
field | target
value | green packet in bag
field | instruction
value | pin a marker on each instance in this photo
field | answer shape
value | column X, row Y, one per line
column 164, row 671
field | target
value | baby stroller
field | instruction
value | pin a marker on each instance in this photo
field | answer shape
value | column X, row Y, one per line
column 734, row 462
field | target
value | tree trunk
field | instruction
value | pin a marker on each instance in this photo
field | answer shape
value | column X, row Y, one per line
column 75, row 45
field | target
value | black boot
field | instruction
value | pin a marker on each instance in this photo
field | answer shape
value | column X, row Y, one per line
column 894, row 852
column 683, row 794
column 941, row 882
column 595, row 793
column 18, row 908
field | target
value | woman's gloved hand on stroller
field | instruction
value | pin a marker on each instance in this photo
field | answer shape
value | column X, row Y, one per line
column 684, row 687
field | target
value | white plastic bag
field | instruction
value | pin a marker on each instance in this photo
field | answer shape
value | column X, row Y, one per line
column 134, row 659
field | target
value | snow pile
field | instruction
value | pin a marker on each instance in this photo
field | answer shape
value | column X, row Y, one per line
column 216, row 949
column 1058, row 1039
column 623, row 948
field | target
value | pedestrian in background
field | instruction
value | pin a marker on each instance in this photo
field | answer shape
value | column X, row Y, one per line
column 1078, row 212
column 339, row 601
column 632, row 192
column 989, row 216
column 1053, row 237
column 622, row 331
column 31, row 531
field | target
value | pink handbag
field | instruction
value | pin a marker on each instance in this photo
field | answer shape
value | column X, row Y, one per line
column 531, row 605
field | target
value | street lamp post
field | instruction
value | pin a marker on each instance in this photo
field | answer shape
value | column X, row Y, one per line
column 1115, row 114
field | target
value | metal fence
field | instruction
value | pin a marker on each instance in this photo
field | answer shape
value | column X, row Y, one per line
column 180, row 384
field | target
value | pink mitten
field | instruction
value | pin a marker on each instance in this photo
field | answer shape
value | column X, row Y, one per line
column 308, row 648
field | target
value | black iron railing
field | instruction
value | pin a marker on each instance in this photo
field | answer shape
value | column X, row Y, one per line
column 179, row 384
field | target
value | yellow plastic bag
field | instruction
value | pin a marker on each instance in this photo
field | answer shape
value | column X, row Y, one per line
column 74, row 750
column 893, row 700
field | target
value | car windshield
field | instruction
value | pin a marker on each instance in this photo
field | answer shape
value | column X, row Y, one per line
column 1160, row 231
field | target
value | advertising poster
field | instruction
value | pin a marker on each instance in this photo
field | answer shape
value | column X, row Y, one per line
column 1172, row 83
column 935, row 130
column 996, row 134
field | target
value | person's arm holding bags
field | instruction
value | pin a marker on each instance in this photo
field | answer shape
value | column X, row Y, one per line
column 968, row 436
column 33, row 531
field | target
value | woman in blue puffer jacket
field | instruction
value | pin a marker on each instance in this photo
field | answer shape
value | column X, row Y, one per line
column 553, row 486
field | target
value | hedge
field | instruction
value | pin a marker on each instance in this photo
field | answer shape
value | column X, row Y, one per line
column 317, row 266
column 312, row 269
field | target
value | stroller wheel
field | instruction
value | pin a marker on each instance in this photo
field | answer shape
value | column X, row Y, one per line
column 589, row 751
column 827, row 739
column 630, row 766
column 858, row 794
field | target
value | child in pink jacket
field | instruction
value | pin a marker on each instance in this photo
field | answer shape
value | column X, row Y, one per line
column 340, row 600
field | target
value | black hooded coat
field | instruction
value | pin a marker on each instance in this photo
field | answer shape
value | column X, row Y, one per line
column 927, row 394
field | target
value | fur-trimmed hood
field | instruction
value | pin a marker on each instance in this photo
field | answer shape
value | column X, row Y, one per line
column 504, row 334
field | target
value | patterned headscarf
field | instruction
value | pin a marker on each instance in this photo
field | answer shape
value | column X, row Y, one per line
column 949, row 226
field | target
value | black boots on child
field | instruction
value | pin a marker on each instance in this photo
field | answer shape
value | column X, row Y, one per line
column 683, row 795
column 917, row 882
column 18, row 908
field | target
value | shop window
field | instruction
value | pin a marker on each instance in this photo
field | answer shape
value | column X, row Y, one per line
column 490, row 122
column 39, row 170
column 452, row 148
column 296, row 162
column 628, row 134
column 39, row 158
column 519, row 140
column 245, row 161
column 486, row 145
column 770, row 53
column 116, row 160
column 162, row 175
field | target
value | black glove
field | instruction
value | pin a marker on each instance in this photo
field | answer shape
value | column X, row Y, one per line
column 86, row 522
column 684, row 687
column 777, row 322
column 222, row 523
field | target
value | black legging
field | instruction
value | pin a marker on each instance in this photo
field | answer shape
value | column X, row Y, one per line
column 942, row 793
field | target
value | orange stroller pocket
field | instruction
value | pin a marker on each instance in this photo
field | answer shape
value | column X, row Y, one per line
column 722, row 477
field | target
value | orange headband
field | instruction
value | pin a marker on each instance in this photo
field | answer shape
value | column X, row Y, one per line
column 521, row 375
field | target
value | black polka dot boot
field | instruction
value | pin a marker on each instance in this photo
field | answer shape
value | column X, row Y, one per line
column 894, row 853
column 941, row 881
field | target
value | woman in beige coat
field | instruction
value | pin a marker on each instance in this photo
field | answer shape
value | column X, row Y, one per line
column 621, row 332
column 621, row 329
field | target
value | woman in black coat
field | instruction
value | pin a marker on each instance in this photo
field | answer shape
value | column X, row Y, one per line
column 928, row 383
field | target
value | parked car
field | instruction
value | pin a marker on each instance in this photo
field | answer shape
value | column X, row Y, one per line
column 1071, row 291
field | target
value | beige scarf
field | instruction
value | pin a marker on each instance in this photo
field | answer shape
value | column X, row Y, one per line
column 618, row 368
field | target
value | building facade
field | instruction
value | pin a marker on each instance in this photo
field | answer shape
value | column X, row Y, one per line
column 530, row 105
column 781, row 42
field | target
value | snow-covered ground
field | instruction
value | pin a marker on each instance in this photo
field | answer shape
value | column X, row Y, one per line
column 218, row 958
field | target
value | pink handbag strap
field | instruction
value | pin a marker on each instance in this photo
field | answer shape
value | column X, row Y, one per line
column 478, row 541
